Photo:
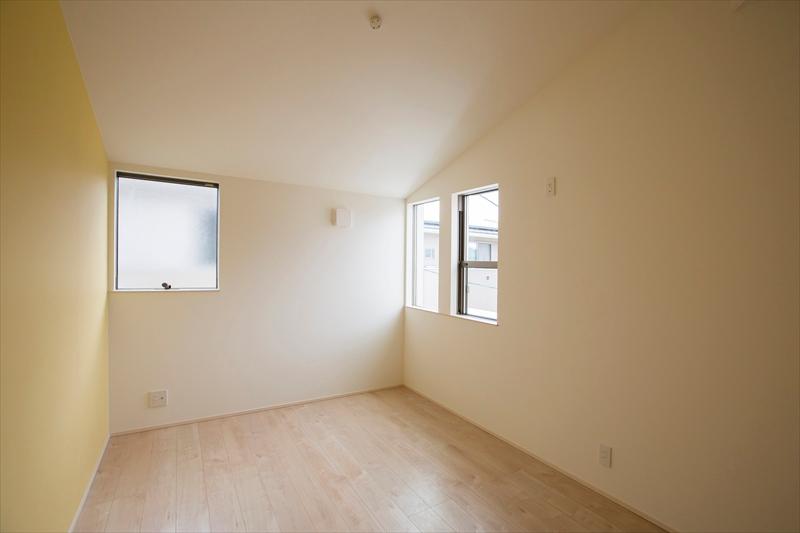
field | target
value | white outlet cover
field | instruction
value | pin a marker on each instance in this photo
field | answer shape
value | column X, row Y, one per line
column 605, row 455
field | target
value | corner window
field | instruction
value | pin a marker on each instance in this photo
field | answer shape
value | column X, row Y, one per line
column 166, row 233
column 478, row 217
column 425, row 255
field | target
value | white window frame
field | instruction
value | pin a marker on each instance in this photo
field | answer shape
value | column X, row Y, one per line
column 412, row 283
column 168, row 179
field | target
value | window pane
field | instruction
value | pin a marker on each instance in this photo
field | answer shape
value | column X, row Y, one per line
column 425, row 266
column 482, row 225
column 479, row 242
column 166, row 233
column 482, row 292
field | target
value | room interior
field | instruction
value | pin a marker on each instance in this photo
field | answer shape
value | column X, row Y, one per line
column 252, row 281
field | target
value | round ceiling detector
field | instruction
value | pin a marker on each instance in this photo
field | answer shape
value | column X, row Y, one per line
column 375, row 21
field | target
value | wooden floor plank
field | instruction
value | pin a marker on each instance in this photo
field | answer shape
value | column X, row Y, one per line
column 224, row 512
column 334, row 483
column 127, row 508
column 191, row 502
column 458, row 518
column 161, row 495
column 385, row 461
column 93, row 517
column 429, row 521
column 322, row 511
column 257, row 510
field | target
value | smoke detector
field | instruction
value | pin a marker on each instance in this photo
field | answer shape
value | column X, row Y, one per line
column 375, row 22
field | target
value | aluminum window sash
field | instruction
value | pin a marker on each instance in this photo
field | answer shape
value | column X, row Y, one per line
column 462, row 286
column 479, row 264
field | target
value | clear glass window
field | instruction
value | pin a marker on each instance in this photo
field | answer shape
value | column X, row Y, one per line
column 167, row 233
column 425, row 252
column 479, row 216
column 482, row 290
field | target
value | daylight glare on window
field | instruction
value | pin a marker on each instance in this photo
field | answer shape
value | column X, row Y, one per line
column 425, row 255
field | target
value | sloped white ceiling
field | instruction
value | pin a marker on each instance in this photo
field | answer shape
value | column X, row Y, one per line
column 308, row 93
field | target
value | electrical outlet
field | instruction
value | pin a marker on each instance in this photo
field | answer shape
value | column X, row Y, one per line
column 157, row 398
column 550, row 187
column 605, row 455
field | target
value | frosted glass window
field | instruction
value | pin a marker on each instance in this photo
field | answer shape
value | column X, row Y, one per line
column 166, row 233
column 425, row 252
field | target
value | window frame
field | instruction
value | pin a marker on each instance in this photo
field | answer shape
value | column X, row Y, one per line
column 164, row 179
column 413, row 249
column 463, row 264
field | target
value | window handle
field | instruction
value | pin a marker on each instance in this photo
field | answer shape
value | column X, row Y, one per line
column 166, row 286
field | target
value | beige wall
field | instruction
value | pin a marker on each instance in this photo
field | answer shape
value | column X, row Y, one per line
column 652, row 305
column 304, row 309
column 53, row 342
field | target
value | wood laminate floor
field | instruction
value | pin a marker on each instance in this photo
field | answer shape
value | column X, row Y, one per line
column 383, row 461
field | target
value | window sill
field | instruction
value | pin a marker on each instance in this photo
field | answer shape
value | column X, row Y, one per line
column 463, row 317
column 488, row 321
column 163, row 290
column 423, row 309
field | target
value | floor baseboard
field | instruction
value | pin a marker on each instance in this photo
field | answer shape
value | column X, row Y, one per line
column 88, row 486
column 573, row 477
column 353, row 393
column 248, row 411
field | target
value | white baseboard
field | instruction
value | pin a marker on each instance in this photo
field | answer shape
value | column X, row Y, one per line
column 248, row 411
column 527, row 452
column 333, row 396
column 203, row 419
column 88, row 486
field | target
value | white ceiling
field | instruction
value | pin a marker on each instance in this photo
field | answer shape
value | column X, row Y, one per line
column 308, row 93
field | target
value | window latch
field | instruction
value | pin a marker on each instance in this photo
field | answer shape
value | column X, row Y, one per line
column 166, row 286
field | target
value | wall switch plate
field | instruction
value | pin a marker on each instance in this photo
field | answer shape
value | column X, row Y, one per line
column 605, row 455
column 157, row 398
column 550, row 187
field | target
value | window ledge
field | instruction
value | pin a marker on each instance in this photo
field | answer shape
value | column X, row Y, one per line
column 163, row 290
column 423, row 309
column 488, row 321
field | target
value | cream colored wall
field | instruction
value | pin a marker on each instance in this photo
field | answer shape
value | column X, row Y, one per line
column 652, row 305
column 53, row 343
column 304, row 309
